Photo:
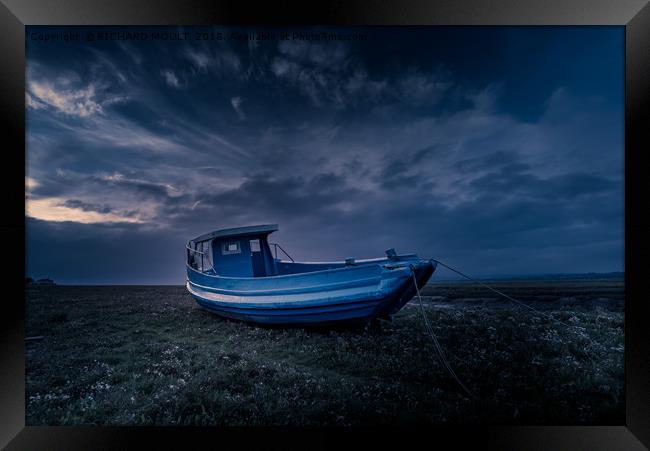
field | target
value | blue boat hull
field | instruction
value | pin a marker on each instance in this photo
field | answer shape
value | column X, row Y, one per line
column 345, row 294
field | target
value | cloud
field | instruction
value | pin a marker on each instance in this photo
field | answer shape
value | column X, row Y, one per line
column 79, row 102
column 349, row 155
column 30, row 183
column 223, row 60
column 309, row 81
column 57, row 209
column 236, row 104
column 118, row 133
column 417, row 88
column 227, row 60
column 331, row 55
column 318, row 70
column 85, row 198
column 360, row 85
column 34, row 103
column 426, row 157
column 144, row 188
column 67, row 92
column 170, row 78
column 85, row 206
column 200, row 59
column 282, row 67
column 131, row 51
column 328, row 75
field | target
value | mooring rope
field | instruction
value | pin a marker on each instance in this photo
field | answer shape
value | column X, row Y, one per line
column 506, row 296
column 439, row 352
column 582, row 329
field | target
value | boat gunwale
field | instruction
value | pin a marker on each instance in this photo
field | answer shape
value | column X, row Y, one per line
column 280, row 276
column 339, row 262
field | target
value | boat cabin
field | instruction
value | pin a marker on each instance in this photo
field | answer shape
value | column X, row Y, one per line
column 246, row 252
column 236, row 252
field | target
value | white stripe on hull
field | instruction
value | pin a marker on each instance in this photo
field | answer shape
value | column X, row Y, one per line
column 368, row 291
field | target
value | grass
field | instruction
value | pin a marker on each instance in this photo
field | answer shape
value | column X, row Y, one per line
column 151, row 356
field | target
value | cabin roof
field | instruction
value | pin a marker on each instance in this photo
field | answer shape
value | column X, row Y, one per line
column 264, row 229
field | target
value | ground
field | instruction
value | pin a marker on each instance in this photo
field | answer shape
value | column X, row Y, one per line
column 150, row 355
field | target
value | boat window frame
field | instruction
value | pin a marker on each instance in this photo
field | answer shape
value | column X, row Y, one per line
column 225, row 248
column 258, row 244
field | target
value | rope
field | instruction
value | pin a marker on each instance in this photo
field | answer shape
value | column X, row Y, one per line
column 583, row 329
column 506, row 296
column 439, row 352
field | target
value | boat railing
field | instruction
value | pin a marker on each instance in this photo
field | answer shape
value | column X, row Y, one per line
column 276, row 246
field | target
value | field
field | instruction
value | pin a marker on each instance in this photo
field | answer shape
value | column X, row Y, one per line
column 150, row 356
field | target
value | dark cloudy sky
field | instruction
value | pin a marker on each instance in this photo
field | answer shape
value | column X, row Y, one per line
column 495, row 149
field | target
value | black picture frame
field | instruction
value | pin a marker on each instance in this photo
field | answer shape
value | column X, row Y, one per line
column 634, row 15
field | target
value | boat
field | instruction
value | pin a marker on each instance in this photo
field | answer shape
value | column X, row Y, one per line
column 233, row 273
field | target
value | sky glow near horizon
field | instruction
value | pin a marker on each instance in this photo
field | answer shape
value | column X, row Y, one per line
column 496, row 149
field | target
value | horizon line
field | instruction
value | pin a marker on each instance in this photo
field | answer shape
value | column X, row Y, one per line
column 503, row 277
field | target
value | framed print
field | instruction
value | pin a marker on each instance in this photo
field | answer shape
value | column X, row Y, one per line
column 353, row 216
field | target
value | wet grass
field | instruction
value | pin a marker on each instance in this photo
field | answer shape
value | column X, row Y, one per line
column 150, row 355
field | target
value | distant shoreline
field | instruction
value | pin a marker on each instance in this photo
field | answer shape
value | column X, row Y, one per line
column 538, row 277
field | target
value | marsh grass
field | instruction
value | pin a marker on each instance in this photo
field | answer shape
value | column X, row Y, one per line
column 150, row 355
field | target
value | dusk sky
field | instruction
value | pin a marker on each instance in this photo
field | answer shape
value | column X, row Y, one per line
column 498, row 150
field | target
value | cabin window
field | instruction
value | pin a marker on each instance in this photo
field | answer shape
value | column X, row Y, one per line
column 231, row 247
column 206, row 260
column 255, row 245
